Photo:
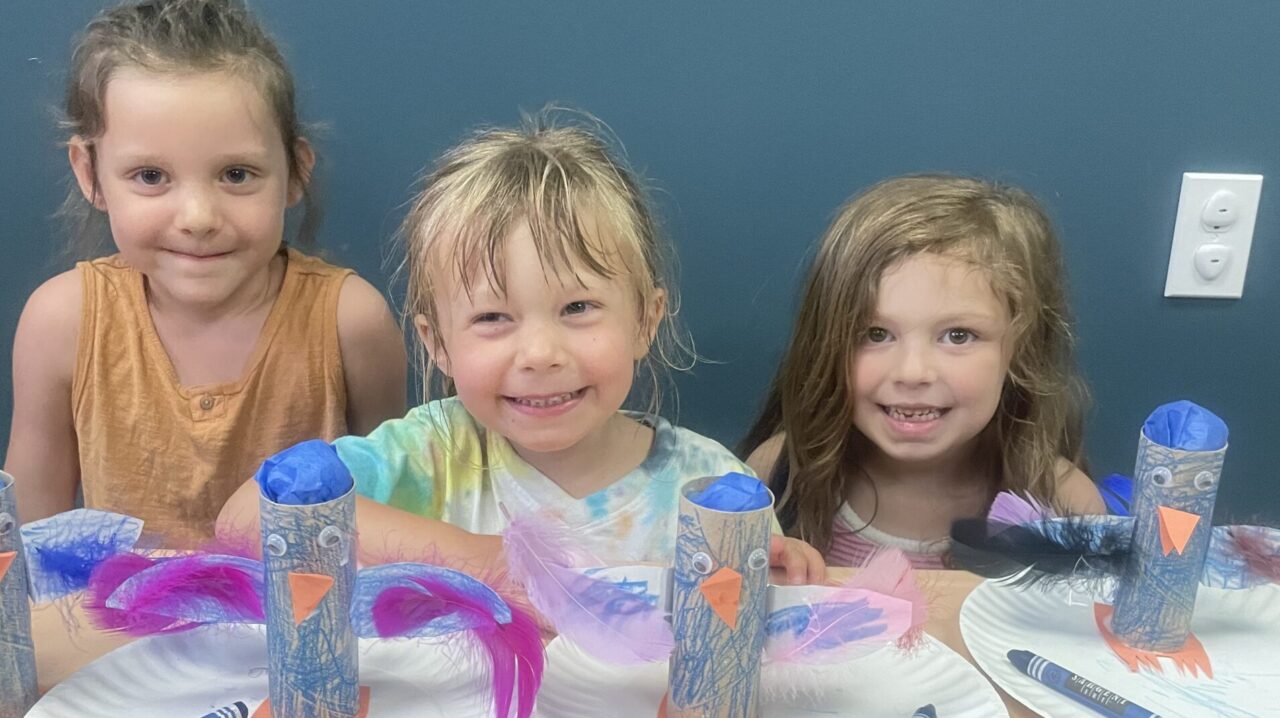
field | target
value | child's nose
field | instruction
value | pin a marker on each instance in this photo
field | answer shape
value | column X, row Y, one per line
column 197, row 212
column 916, row 365
column 541, row 347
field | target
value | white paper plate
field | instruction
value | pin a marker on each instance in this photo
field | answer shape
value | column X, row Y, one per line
column 1240, row 630
column 187, row 675
column 886, row 683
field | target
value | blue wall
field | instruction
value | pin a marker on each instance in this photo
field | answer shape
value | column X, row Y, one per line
column 756, row 120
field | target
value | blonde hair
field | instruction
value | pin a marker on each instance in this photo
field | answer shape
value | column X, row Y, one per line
column 1000, row 229
column 583, row 205
column 174, row 37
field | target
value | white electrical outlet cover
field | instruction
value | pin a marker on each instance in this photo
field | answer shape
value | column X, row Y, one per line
column 1209, row 258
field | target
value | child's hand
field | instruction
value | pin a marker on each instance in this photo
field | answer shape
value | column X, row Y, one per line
column 802, row 562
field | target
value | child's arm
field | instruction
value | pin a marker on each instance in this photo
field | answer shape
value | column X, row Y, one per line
column 43, row 455
column 1076, row 493
column 373, row 357
column 385, row 534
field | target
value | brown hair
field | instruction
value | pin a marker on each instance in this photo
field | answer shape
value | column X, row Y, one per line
column 1000, row 229
column 177, row 37
column 583, row 204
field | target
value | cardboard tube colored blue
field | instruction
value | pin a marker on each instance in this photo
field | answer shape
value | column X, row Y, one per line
column 17, row 655
column 309, row 552
column 718, row 609
column 1173, row 496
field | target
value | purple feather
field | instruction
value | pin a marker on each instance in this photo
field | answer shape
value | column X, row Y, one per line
column 607, row 621
column 842, row 625
column 178, row 593
column 1014, row 510
column 514, row 646
column 104, row 581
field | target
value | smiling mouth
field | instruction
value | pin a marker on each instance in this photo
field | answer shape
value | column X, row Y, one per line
column 912, row 415
column 546, row 401
column 189, row 255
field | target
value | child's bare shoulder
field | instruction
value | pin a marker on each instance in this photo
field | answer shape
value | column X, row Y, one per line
column 766, row 455
column 50, row 323
column 1075, row 492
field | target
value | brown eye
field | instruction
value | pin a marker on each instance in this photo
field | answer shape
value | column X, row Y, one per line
column 959, row 336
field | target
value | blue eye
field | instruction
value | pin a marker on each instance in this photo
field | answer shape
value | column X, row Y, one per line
column 960, row 336
column 577, row 307
column 237, row 175
column 150, row 176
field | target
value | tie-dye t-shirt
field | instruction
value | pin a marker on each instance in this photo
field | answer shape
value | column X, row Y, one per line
column 440, row 463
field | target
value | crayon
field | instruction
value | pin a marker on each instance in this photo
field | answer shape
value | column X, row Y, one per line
column 925, row 711
column 235, row 710
column 1077, row 688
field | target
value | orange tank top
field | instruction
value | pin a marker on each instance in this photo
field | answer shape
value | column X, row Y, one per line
column 171, row 455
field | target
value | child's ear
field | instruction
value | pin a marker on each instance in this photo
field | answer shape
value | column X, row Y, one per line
column 80, row 155
column 306, row 164
column 431, row 342
column 650, row 319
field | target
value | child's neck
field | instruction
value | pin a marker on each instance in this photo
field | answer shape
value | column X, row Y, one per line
column 917, row 500
column 212, row 343
column 598, row 460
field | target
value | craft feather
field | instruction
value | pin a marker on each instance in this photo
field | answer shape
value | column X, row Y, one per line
column 1258, row 549
column 188, row 591
column 1012, row 509
column 607, row 621
column 1117, row 493
column 426, row 601
column 63, row 550
column 1081, row 551
column 104, row 581
column 888, row 572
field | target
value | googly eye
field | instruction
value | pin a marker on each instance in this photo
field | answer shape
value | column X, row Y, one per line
column 758, row 559
column 276, row 545
column 1160, row 476
column 329, row 537
column 701, row 563
column 1205, row 480
column 6, row 523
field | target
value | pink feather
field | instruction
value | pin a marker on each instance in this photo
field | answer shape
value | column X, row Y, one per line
column 176, row 594
column 1260, row 548
column 608, row 622
column 514, row 648
column 888, row 571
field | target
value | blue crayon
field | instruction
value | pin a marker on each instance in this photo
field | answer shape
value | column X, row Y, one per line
column 235, row 710
column 925, row 711
column 1081, row 690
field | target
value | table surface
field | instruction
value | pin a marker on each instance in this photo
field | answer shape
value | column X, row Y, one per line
column 61, row 652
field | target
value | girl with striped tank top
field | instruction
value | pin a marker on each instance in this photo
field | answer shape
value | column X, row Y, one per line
column 930, row 367
column 158, row 378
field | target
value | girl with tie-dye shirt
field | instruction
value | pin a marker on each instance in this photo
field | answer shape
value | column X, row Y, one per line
column 537, row 285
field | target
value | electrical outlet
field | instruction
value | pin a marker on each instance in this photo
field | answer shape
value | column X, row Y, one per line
column 1212, row 235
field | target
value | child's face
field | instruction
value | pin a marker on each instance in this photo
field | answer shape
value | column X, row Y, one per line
column 928, row 374
column 548, row 364
column 194, row 177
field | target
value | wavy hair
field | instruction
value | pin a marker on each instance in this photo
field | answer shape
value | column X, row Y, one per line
column 1002, row 231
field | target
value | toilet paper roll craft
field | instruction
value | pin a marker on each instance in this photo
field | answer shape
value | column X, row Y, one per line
column 628, row 604
column 420, row 601
column 18, row 690
column 1145, row 566
column 307, row 509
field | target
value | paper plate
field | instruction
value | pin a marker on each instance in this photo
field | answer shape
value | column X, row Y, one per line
column 187, row 675
column 886, row 683
column 1239, row 630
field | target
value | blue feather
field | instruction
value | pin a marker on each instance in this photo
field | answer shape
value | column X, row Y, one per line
column 1117, row 492
column 63, row 550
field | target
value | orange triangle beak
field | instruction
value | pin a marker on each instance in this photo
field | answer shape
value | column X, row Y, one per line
column 308, row 590
column 1176, row 528
column 6, row 559
column 723, row 590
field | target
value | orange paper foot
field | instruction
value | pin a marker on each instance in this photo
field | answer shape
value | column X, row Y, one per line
column 264, row 710
column 1191, row 657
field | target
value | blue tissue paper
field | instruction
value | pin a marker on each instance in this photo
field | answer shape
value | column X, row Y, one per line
column 733, row 492
column 1186, row 426
column 306, row 473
